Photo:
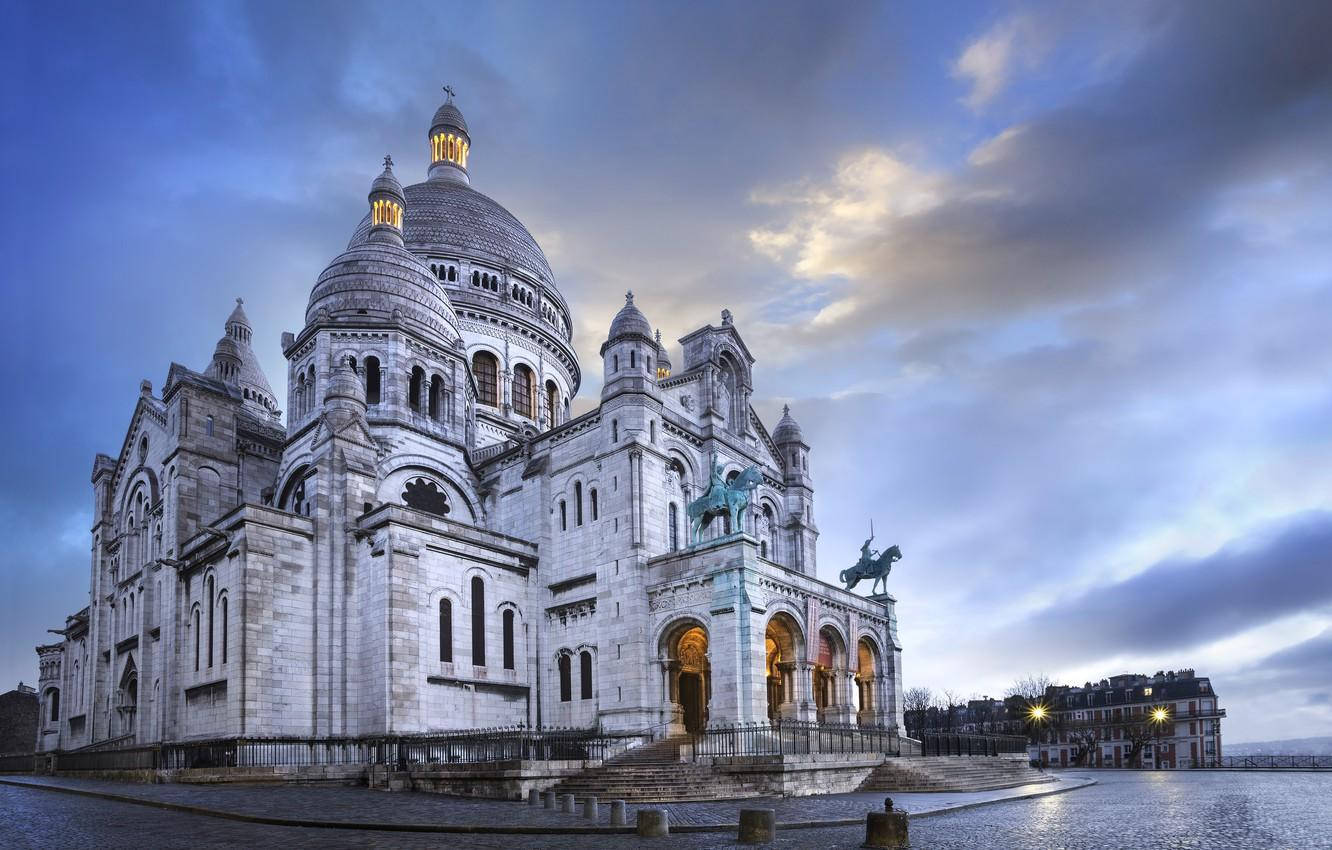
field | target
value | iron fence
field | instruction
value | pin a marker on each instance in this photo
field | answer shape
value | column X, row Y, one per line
column 399, row 752
column 948, row 744
column 17, row 763
column 792, row 738
column 1294, row 762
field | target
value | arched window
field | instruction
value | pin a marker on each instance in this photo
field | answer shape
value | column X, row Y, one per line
column 485, row 368
column 446, row 631
column 552, row 402
column 578, row 503
column 476, row 278
column 592, row 495
column 414, row 388
column 508, row 639
column 524, row 391
column 211, row 585
column 197, row 638
column 615, row 362
column 224, row 628
column 53, row 703
column 436, row 389
column 453, row 273
column 564, row 516
column 372, row 380
column 566, row 678
column 425, row 495
column 478, row 622
column 652, row 430
column 208, row 426
column 675, row 527
column 585, row 675
column 615, row 430
column 633, row 358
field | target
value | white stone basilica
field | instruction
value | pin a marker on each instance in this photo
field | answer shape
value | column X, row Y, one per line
column 432, row 542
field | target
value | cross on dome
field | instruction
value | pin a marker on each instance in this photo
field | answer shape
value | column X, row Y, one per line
column 388, row 162
column 448, row 89
column 629, row 297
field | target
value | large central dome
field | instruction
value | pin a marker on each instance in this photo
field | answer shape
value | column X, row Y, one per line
column 451, row 218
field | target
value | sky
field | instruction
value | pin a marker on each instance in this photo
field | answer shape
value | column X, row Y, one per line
column 1047, row 286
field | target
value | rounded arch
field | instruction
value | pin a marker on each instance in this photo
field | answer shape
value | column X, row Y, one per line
column 785, row 629
column 832, row 640
column 395, row 473
column 292, row 492
column 465, row 585
column 144, row 480
column 669, row 632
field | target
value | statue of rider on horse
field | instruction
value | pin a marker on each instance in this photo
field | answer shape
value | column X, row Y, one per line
column 722, row 499
column 872, row 564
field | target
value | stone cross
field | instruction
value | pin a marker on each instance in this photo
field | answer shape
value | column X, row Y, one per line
column 449, row 91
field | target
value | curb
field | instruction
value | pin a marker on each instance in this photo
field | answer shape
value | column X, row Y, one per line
column 487, row 829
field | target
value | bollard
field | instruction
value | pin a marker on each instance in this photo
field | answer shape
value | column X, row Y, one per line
column 886, row 829
column 619, row 813
column 533, row 797
column 567, row 803
column 548, row 799
column 757, row 826
column 590, row 808
column 653, row 823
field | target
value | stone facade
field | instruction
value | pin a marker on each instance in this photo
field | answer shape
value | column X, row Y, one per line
column 429, row 541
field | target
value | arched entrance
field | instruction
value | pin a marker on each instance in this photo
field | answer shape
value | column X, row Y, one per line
column 127, row 703
column 867, row 682
column 829, row 673
column 688, row 676
column 783, row 643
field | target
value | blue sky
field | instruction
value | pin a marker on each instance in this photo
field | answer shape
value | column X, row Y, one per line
column 1047, row 286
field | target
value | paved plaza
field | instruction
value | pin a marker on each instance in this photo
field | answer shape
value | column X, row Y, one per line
column 1174, row 810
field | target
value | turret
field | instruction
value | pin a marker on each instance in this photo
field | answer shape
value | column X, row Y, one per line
column 387, row 203
column 800, row 528
column 235, row 364
column 663, row 359
column 449, row 143
column 629, row 352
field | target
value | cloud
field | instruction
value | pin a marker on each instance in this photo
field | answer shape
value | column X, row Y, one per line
column 1184, row 602
column 988, row 62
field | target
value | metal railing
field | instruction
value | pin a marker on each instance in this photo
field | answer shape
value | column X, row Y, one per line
column 1295, row 762
column 399, row 752
column 949, row 744
column 17, row 763
column 791, row 738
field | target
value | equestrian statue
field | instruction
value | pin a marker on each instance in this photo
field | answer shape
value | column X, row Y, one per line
column 872, row 564
column 722, row 499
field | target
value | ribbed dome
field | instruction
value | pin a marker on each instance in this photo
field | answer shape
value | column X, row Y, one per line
column 448, row 115
column 630, row 321
column 663, row 356
column 787, row 430
column 386, row 181
column 378, row 279
column 449, row 217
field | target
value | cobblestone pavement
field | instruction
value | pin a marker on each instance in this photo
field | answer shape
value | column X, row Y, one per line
column 1143, row 811
column 362, row 805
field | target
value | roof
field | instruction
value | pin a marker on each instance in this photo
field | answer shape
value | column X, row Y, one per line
column 452, row 218
column 450, row 115
column 630, row 321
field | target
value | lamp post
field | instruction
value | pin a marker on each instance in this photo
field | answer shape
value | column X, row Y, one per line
column 1160, row 716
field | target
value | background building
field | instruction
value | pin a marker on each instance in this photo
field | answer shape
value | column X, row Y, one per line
column 1169, row 720
column 18, row 720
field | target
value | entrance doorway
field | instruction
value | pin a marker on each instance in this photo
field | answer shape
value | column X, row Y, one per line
column 781, row 643
column 691, row 700
column 688, row 676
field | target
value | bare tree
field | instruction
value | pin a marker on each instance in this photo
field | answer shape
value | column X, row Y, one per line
column 1031, row 687
column 949, row 702
column 916, row 704
column 1085, row 734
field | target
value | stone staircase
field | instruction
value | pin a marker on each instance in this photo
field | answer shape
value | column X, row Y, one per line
column 653, row 773
column 952, row 773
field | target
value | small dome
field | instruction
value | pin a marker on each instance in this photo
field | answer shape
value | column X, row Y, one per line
column 630, row 321
column 235, row 363
column 238, row 316
column 787, row 430
column 663, row 358
column 387, row 183
column 345, row 384
column 448, row 115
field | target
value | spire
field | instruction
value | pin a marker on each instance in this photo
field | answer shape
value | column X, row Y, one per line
column 450, row 143
column 235, row 364
column 663, row 359
column 387, row 203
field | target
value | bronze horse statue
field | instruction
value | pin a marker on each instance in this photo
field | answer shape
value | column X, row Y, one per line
column 723, row 499
column 869, row 567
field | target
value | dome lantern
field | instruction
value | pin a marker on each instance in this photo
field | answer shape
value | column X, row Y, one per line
column 449, row 142
column 387, row 203
column 663, row 359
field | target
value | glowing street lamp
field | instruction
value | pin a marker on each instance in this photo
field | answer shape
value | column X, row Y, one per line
column 1037, row 712
column 1160, row 715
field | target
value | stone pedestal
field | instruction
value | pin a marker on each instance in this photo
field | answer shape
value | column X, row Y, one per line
column 757, row 826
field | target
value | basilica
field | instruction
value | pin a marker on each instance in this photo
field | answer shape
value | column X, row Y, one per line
column 429, row 540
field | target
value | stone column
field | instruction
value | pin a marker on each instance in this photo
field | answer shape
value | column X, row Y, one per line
column 806, row 706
